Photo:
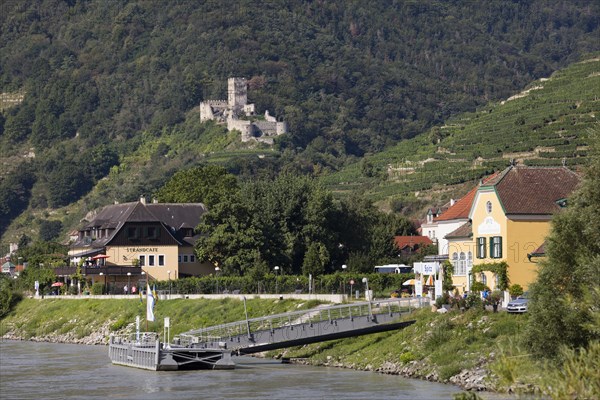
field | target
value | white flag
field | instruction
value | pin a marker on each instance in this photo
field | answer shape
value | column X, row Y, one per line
column 149, row 304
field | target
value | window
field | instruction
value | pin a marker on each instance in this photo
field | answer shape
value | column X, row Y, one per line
column 151, row 260
column 461, row 268
column 483, row 278
column 481, row 247
column 151, row 232
column 132, row 232
column 178, row 259
column 142, row 260
column 454, row 261
column 488, row 207
column 161, row 260
column 192, row 258
column 496, row 247
column 185, row 258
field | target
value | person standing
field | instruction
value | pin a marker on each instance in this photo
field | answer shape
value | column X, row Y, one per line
column 125, row 288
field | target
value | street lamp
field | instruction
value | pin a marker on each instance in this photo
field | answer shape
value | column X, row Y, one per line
column 128, row 283
column 103, row 282
column 169, row 275
column 276, row 280
column 367, row 295
column 344, row 280
column 217, row 269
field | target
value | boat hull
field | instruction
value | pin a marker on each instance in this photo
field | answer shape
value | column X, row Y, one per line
column 154, row 356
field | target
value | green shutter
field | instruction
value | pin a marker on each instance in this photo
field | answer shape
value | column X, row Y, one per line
column 492, row 247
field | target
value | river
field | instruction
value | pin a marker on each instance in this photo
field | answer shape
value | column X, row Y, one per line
column 31, row 370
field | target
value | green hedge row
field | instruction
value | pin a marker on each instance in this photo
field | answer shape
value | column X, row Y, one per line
column 381, row 284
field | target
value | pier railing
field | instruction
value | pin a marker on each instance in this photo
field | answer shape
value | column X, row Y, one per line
column 225, row 332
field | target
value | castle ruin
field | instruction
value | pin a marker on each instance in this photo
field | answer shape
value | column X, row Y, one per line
column 239, row 115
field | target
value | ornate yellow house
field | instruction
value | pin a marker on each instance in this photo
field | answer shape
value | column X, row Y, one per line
column 509, row 219
column 128, row 241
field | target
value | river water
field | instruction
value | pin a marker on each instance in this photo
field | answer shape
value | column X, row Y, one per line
column 30, row 370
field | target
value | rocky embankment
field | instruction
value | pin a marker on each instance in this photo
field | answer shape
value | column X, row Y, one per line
column 97, row 337
column 475, row 379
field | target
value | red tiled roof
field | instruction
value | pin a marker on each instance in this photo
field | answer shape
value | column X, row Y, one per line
column 411, row 241
column 461, row 209
column 534, row 190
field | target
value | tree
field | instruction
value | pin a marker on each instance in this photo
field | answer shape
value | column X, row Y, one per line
column 228, row 238
column 49, row 230
column 44, row 275
column 315, row 259
column 564, row 298
column 208, row 185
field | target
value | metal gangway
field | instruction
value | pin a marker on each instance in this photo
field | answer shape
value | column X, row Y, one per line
column 302, row 327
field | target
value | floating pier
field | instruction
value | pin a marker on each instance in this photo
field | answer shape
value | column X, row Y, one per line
column 213, row 347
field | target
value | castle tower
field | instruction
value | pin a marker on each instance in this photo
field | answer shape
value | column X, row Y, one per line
column 237, row 94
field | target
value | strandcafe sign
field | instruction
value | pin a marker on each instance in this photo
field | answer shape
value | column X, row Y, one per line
column 142, row 249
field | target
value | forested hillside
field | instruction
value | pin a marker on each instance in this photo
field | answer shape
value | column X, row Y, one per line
column 102, row 81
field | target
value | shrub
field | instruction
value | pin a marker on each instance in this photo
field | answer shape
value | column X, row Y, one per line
column 577, row 378
column 118, row 324
column 407, row 357
column 445, row 372
column 97, row 288
column 473, row 300
column 443, row 299
column 8, row 298
column 515, row 290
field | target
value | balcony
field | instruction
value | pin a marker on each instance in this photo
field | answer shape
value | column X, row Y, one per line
column 107, row 270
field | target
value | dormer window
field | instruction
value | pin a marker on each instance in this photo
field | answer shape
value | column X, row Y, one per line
column 152, row 232
column 132, row 232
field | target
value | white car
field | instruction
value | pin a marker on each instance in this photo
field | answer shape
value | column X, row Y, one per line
column 519, row 305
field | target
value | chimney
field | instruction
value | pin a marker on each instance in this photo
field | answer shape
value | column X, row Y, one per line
column 154, row 201
column 142, row 200
column 452, row 202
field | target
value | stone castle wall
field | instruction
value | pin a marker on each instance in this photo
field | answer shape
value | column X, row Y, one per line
column 228, row 111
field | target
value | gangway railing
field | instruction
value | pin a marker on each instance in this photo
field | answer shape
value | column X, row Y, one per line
column 369, row 313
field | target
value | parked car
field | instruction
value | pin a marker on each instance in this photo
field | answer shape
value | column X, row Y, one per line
column 519, row 305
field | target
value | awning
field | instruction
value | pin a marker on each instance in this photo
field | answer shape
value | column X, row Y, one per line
column 99, row 256
column 56, row 284
column 86, row 253
column 409, row 282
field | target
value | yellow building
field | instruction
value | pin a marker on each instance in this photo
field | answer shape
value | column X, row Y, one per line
column 461, row 249
column 130, row 241
column 509, row 219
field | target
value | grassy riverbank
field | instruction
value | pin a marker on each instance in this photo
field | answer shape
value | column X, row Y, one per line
column 39, row 319
column 476, row 350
